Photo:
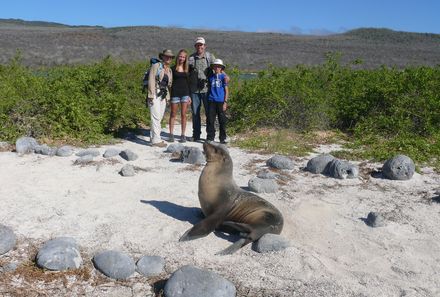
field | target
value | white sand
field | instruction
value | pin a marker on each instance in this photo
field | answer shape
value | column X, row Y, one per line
column 333, row 253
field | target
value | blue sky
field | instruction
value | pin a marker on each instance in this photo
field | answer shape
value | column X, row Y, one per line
column 288, row 16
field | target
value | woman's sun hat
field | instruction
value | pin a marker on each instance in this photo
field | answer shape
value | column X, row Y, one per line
column 166, row 52
column 218, row 62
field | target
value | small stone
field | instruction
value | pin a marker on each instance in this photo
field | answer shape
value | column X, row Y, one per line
column 45, row 150
column 190, row 281
column 280, row 162
column 175, row 147
column 84, row 160
column 192, row 155
column 399, row 167
column 375, row 219
column 270, row 243
column 92, row 152
column 64, row 151
column 128, row 155
column 127, row 170
column 25, row 145
column 342, row 169
column 111, row 152
column 260, row 185
column 319, row 164
column 7, row 239
column 59, row 254
column 266, row 174
column 150, row 265
column 114, row 264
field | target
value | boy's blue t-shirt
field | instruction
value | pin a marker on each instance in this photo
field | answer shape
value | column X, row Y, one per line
column 217, row 84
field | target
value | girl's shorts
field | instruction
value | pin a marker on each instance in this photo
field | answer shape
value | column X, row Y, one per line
column 176, row 100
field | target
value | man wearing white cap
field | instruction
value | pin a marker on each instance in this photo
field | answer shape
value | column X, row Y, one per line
column 199, row 63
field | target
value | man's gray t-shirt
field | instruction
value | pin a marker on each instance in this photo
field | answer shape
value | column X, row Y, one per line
column 201, row 64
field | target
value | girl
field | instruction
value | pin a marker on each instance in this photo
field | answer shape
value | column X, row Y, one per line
column 180, row 93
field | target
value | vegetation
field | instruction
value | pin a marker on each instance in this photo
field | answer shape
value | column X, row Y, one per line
column 85, row 103
column 385, row 111
column 378, row 113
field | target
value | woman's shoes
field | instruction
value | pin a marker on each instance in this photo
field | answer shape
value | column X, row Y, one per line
column 171, row 138
column 159, row 144
column 182, row 139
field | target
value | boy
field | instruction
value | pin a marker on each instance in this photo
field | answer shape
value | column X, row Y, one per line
column 217, row 100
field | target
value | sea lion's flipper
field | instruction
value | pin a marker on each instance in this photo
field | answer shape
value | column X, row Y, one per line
column 240, row 227
column 204, row 227
column 235, row 246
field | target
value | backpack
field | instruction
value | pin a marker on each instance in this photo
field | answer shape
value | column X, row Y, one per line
column 147, row 74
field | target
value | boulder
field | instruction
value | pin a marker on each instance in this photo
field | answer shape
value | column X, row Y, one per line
column 25, row 145
column 128, row 155
column 260, row 185
column 114, row 264
column 150, row 265
column 59, row 254
column 280, row 162
column 319, row 164
column 270, row 243
column 190, row 281
column 342, row 169
column 7, row 239
column 399, row 167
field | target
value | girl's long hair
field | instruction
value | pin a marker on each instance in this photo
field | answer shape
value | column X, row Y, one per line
column 185, row 64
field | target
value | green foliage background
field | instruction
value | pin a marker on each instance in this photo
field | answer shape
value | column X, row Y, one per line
column 86, row 103
column 384, row 111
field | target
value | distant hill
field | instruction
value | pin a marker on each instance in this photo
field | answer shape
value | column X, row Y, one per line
column 44, row 43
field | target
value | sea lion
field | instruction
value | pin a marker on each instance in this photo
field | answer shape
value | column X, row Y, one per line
column 229, row 208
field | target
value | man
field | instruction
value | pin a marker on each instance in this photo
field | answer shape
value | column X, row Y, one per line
column 199, row 63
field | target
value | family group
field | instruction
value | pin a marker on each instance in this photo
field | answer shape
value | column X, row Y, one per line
column 197, row 79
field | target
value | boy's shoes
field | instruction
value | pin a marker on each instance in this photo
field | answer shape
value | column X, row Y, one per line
column 194, row 139
column 159, row 144
column 171, row 138
column 223, row 142
column 182, row 139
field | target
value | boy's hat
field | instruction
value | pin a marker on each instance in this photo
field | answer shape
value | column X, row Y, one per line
column 200, row 40
column 218, row 62
column 166, row 52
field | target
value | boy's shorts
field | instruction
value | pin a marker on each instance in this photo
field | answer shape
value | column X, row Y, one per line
column 177, row 100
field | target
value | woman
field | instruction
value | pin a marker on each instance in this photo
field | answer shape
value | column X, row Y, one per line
column 180, row 93
column 159, row 85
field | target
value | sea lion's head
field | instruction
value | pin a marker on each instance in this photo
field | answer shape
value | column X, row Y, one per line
column 217, row 153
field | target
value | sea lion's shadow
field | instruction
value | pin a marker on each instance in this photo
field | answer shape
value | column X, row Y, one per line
column 192, row 215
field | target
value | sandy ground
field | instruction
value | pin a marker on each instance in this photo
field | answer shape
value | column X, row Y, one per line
column 333, row 252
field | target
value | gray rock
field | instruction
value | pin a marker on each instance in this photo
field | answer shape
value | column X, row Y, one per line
column 150, row 265
column 342, row 169
column 127, row 170
column 111, row 152
column 46, row 150
column 280, row 162
column 25, row 145
column 84, row 160
column 7, row 239
column 266, row 174
column 64, row 151
column 260, row 185
column 399, row 167
column 128, row 155
column 192, row 155
column 114, row 264
column 59, row 254
column 319, row 164
column 9, row 267
column 92, row 152
column 270, row 243
column 190, row 281
column 4, row 145
column 175, row 148
column 375, row 219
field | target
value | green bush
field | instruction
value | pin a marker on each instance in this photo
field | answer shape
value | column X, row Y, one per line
column 85, row 102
